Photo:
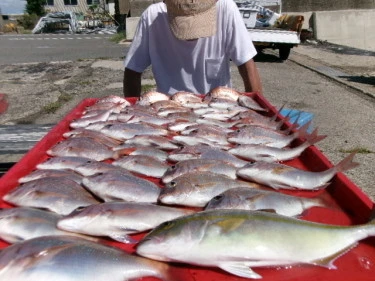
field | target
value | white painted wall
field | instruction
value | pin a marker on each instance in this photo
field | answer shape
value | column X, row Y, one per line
column 354, row 28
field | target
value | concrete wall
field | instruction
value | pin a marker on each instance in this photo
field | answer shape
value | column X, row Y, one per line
column 324, row 5
column 354, row 28
column 138, row 6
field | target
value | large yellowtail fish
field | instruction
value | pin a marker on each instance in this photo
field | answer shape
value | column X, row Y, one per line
column 283, row 176
column 237, row 240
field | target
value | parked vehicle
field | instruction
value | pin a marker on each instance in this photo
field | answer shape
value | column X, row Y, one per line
column 269, row 28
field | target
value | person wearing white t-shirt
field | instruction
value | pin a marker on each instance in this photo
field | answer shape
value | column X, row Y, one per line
column 189, row 45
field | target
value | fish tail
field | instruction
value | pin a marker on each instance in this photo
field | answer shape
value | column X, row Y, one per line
column 278, row 114
column 347, row 163
column 313, row 138
column 302, row 132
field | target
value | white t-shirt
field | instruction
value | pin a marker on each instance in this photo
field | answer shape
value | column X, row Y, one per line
column 195, row 66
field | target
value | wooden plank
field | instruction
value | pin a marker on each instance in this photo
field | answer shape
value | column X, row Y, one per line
column 21, row 138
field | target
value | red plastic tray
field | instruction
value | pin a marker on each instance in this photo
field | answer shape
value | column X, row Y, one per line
column 349, row 206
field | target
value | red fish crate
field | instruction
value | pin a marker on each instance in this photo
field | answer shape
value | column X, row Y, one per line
column 349, row 205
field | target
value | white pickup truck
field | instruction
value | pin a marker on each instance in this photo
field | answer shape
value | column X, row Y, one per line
column 269, row 28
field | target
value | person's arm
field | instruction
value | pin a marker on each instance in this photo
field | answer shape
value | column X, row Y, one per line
column 250, row 77
column 132, row 83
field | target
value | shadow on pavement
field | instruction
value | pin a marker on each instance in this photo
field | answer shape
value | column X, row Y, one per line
column 262, row 57
column 360, row 79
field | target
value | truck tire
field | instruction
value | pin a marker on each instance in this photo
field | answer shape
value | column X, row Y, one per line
column 284, row 52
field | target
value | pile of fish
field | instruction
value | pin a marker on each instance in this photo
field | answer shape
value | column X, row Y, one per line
column 203, row 175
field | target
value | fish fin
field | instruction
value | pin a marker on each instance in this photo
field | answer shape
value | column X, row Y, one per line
column 314, row 137
column 279, row 114
column 302, row 132
column 239, row 269
column 328, row 261
column 123, row 238
column 347, row 163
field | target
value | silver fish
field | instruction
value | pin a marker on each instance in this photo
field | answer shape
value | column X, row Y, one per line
column 250, row 103
column 118, row 220
column 189, row 100
column 23, row 223
column 282, row 176
column 114, row 107
column 222, row 103
column 222, row 93
column 113, row 99
column 87, row 120
column 256, row 152
column 199, row 165
column 236, row 240
column 197, row 188
column 114, row 185
column 169, row 111
column 63, row 162
column 83, row 147
column 251, row 117
column 95, row 135
column 221, row 124
column 151, row 151
column 205, row 152
column 39, row 173
column 92, row 167
column 265, row 136
column 209, row 132
column 196, row 140
column 142, row 164
column 60, row 195
column 152, row 141
column 164, row 104
column 123, row 131
column 67, row 258
column 151, row 97
column 179, row 126
column 257, row 199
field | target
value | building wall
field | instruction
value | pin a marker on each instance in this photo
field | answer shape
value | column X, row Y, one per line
column 59, row 6
column 324, row 5
column 354, row 28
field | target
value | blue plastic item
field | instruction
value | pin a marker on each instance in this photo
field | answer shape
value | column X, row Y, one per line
column 301, row 117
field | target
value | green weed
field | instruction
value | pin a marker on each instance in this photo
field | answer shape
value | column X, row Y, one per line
column 147, row 87
column 54, row 106
column 118, row 37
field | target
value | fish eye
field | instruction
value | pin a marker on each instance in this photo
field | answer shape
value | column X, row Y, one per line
column 238, row 131
column 173, row 167
column 78, row 209
column 167, row 224
column 218, row 197
column 172, row 184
